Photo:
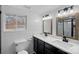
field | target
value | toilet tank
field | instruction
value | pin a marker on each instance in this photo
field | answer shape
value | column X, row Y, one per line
column 20, row 45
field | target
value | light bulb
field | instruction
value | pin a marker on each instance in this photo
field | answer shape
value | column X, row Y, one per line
column 47, row 18
column 64, row 13
column 71, row 12
column 59, row 14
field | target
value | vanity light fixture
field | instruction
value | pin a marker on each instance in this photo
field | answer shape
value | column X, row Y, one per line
column 47, row 17
column 60, row 13
column 71, row 7
column 65, row 11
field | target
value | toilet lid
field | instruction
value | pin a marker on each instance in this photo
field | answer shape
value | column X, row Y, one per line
column 23, row 52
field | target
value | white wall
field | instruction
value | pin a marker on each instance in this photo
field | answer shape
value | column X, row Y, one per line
column 34, row 25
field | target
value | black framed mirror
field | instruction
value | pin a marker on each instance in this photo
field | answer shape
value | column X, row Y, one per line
column 66, row 27
column 47, row 26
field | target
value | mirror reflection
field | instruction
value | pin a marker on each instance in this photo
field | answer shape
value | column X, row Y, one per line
column 60, row 28
column 47, row 26
column 66, row 27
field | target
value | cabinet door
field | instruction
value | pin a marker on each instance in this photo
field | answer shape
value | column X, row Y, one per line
column 0, row 31
column 49, row 49
column 35, row 44
column 40, row 47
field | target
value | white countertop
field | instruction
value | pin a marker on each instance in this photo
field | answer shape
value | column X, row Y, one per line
column 70, row 47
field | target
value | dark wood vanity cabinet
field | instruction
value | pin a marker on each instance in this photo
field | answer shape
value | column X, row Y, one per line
column 41, row 47
column 35, row 44
column 38, row 46
column 49, row 49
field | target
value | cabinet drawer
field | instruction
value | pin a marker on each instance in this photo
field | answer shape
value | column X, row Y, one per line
column 49, row 46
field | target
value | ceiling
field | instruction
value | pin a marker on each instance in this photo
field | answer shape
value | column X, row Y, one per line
column 42, row 8
column 39, row 9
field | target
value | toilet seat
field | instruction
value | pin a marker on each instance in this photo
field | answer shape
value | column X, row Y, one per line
column 23, row 52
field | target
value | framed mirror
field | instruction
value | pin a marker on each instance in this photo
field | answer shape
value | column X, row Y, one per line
column 66, row 27
column 47, row 26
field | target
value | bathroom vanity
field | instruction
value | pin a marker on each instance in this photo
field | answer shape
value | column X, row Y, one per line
column 52, row 45
column 41, row 47
column 67, row 26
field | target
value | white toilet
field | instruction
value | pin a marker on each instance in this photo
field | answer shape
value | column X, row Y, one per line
column 21, row 46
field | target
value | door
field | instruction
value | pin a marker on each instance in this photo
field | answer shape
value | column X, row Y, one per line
column 49, row 49
column 35, row 44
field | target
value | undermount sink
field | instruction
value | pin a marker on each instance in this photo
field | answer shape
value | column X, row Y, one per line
column 62, row 44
